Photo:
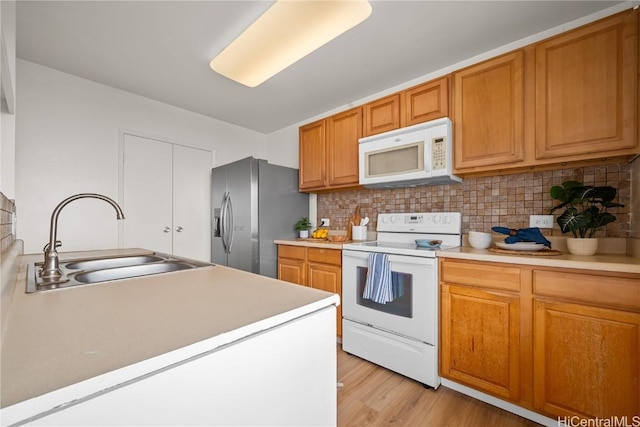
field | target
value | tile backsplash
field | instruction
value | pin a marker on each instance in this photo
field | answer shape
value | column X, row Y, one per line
column 485, row 201
column 7, row 219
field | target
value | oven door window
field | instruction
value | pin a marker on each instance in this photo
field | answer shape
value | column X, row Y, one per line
column 402, row 284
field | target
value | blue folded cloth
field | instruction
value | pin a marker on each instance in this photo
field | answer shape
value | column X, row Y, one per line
column 379, row 286
column 532, row 234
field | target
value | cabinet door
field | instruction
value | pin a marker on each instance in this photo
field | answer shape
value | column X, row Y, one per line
column 343, row 132
column 489, row 112
column 327, row 278
column 382, row 115
column 480, row 342
column 192, row 203
column 312, row 156
column 586, row 89
column 292, row 270
column 147, row 198
column 429, row 101
column 586, row 360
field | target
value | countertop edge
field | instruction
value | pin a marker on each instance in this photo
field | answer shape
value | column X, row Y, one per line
column 609, row 263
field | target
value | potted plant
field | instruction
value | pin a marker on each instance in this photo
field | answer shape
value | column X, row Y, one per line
column 302, row 227
column 585, row 213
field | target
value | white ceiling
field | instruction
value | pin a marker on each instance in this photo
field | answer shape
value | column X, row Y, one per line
column 161, row 49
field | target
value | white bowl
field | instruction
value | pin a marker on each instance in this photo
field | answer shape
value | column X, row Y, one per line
column 480, row 240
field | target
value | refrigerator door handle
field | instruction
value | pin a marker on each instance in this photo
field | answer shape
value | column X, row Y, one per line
column 230, row 208
column 223, row 223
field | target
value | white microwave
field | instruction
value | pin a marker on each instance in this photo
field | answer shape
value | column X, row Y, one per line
column 421, row 154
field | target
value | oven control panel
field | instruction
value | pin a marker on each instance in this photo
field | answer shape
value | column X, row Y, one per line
column 424, row 222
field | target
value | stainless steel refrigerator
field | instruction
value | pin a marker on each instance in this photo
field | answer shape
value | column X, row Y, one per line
column 254, row 203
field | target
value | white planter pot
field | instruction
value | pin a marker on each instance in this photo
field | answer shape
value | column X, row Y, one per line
column 580, row 246
column 304, row 234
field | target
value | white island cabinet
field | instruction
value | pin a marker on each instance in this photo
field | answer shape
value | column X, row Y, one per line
column 211, row 346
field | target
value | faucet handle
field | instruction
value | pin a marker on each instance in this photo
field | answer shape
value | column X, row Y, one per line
column 57, row 245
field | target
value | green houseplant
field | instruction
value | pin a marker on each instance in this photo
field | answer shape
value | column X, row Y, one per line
column 585, row 212
column 302, row 227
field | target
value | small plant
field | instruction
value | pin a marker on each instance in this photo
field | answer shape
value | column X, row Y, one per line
column 303, row 224
column 585, row 207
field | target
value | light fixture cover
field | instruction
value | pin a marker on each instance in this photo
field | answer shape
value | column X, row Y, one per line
column 285, row 33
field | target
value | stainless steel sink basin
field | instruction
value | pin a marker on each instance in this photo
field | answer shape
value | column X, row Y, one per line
column 117, row 273
column 124, row 261
column 98, row 270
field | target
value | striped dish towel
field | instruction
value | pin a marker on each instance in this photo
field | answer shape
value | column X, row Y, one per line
column 378, row 287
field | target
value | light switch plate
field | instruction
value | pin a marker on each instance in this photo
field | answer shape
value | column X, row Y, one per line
column 541, row 221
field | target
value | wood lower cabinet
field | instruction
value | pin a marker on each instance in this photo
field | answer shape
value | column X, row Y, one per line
column 586, row 360
column 480, row 339
column 561, row 342
column 318, row 268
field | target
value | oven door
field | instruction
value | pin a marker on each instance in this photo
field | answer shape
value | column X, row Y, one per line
column 414, row 314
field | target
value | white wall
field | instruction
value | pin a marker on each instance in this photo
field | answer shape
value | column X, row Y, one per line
column 67, row 142
column 7, row 107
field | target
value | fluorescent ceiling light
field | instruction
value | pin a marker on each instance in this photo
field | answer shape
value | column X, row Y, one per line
column 285, row 33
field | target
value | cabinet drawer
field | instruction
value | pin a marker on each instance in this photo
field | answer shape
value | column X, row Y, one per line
column 325, row 256
column 295, row 252
column 596, row 289
column 483, row 275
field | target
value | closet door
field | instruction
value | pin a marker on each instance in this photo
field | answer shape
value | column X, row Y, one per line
column 192, row 203
column 148, row 194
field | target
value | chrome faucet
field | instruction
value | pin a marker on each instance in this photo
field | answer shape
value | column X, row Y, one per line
column 51, row 272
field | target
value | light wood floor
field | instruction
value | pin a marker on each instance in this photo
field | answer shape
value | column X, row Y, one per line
column 374, row 396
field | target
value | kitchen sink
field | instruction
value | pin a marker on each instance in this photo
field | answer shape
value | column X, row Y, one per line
column 105, row 269
column 117, row 273
column 94, row 264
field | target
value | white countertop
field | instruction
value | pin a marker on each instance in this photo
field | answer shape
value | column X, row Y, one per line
column 607, row 262
column 103, row 334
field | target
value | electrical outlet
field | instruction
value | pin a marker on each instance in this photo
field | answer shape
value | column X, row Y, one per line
column 326, row 222
column 541, row 221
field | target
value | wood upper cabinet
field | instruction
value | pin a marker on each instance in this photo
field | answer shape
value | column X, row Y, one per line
column 382, row 115
column 343, row 132
column 329, row 152
column 587, row 89
column 312, row 173
column 488, row 112
column 425, row 102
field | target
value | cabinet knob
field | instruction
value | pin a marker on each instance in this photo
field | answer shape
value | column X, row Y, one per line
column 166, row 229
column 179, row 229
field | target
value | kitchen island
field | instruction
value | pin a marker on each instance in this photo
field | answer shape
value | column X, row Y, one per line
column 208, row 346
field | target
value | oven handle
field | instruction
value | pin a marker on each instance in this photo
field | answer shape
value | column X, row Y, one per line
column 405, row 259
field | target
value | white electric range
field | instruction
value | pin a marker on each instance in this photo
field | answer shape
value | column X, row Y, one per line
column 400, row 335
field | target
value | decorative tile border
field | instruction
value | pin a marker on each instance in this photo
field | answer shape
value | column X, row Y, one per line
column 484, row 201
